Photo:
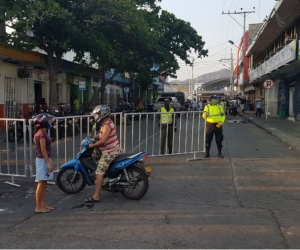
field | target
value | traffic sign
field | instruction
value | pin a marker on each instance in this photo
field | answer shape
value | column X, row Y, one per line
column 81, row 85
column 126, row 90
column 268, row 84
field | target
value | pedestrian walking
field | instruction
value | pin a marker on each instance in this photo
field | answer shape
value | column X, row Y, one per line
column 259, row 107
column 109, row 146
column 200, row 104
column 215, row 117
column 44, row 167
column 194, row 105
column 167, row 125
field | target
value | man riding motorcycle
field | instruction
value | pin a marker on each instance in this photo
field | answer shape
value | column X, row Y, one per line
column 108, row 144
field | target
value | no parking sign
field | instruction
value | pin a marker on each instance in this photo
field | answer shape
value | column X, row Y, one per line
column 268, row 84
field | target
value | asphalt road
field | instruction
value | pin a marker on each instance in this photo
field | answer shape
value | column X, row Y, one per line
column 249, row 199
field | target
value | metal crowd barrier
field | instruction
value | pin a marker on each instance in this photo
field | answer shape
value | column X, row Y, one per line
column 14, row 151
column 136, row 132
column 144, row 133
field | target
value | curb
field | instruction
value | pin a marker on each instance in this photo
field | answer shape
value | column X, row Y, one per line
column 280, row 138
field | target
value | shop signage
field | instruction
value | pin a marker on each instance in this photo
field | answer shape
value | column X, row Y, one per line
column 284, row 56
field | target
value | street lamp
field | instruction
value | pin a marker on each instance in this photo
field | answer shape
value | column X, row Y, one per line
column 232, row 42
column 191, row 88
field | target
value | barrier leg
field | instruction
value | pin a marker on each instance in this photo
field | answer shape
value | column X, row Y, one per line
column 12, row 183
column 195, row 159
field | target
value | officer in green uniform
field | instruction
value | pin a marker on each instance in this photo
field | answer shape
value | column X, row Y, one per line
column 167, row 124
column 215, row 117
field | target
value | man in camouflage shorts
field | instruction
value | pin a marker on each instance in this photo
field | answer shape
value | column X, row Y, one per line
column 108, row 144
column 106, row 159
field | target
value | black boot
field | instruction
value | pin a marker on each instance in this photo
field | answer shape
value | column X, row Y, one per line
column 207, row 155
column 220, row 155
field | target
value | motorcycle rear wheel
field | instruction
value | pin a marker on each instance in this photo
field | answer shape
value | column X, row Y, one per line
column 64, row 178
column 136, row 177
column 11, row 135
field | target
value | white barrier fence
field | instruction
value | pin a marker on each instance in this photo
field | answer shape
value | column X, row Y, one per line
column 136, row 132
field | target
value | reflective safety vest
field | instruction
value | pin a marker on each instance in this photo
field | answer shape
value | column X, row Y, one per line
column 215, row 114
column 166, row 118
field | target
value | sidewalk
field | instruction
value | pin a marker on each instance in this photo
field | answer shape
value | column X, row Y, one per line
column 284, row 130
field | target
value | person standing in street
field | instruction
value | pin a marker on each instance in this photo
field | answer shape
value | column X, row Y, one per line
column 259, row 107
column 242, row 104
column 44, row 167
column 194, row 105
column 109, row 146
column 76, row 105
column 200, row 104
column 215, row 117
column 167, row 124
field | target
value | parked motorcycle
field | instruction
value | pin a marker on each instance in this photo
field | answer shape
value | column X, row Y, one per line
column 19, row 130
column 126, row 174
column 233, row 110
column 60, row 127
column 125, row 108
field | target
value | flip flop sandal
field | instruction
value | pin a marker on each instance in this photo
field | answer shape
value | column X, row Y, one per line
column 90, row 200
column 42, row 212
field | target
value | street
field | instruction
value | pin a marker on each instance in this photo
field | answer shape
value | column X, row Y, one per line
column 249, row 199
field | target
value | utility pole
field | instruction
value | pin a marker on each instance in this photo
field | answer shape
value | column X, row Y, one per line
column 231, row 75
column 231, row 72
column 244, row 14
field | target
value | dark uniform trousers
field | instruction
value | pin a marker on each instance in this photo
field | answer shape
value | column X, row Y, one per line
column 166, row 133
column 211, row 130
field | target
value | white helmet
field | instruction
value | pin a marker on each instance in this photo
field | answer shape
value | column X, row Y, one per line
column 100, row 112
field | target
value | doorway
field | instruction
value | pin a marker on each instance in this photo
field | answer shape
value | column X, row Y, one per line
column 38, row 96
column 291, row 100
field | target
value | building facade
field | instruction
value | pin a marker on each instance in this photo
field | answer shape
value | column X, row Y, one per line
column 274, row 54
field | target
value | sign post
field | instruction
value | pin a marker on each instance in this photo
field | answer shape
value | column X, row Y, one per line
column 268, row 84
column 82, row 87
column 126, row 92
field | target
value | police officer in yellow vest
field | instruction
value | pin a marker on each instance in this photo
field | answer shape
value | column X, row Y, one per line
column 215, row 117
column 167, row 124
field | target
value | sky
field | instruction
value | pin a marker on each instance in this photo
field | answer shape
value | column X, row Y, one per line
column 206, row 17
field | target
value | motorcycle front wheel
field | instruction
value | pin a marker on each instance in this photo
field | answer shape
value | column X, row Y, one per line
column 70, row 181
column 138, row 183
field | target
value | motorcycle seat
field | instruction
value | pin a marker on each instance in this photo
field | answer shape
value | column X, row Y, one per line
column 122, row 157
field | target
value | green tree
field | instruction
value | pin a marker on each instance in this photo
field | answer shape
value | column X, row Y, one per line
column 60, row 26
column 149, row 36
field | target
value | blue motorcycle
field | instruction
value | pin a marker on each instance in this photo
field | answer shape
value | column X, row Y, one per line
column 126, row 174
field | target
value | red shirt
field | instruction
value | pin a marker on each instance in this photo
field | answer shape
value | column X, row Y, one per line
column 37, row 137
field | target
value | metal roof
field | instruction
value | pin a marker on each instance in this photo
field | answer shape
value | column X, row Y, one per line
column 216, row 84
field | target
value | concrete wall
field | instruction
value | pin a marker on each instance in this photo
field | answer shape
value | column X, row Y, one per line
column 112, row 94
column 273, row 99
column 253, row 30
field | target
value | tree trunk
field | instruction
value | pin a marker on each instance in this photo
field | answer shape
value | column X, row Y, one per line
column 53, row 77
column 95, row 98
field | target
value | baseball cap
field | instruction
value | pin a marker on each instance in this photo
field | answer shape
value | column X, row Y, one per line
column 213, row 97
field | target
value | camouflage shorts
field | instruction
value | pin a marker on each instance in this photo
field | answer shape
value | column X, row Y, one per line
column 106, row 159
